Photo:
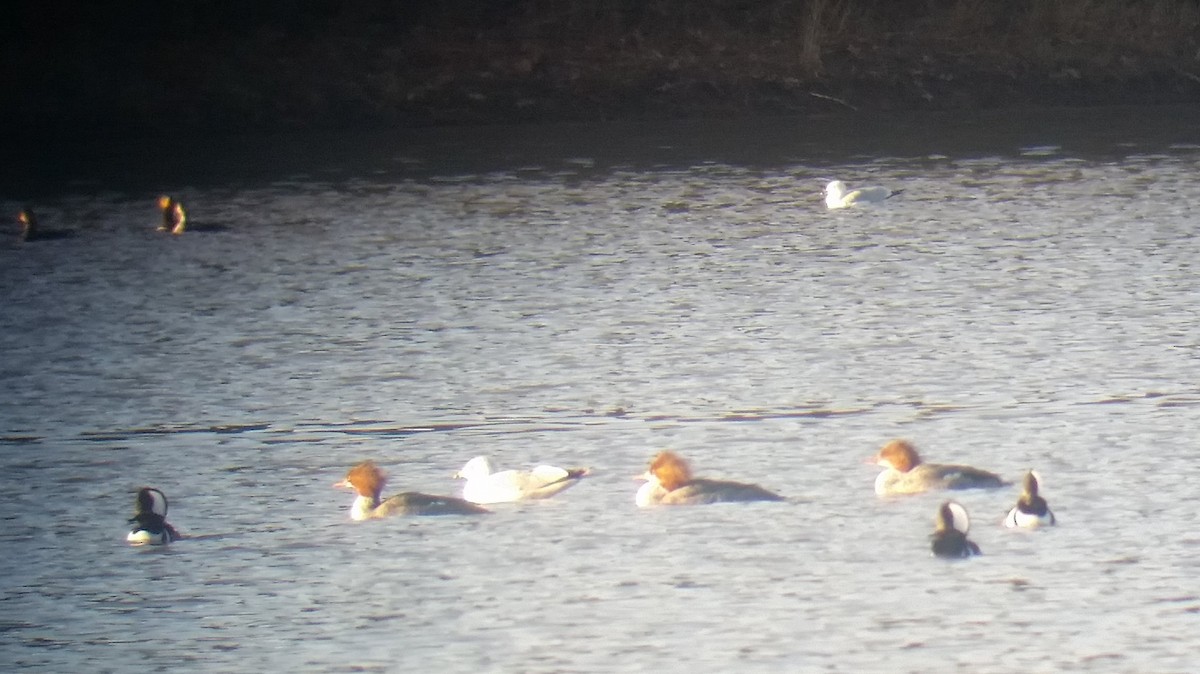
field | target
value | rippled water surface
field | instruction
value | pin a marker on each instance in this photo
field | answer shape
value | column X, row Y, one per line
column 587, row 296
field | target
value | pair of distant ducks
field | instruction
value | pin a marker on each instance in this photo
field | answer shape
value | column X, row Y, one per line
column 174, row 217
column 174, row 220
column 668, row 481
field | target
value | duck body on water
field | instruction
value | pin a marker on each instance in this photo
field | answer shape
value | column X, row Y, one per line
column 1031, row 510
column 838, row 196
column 905, row 473
column 949, row 539
column 174, row 217
column 485, row 485
column 669, row 481
column 31, row 229
column 150, row 519
column 368, row 480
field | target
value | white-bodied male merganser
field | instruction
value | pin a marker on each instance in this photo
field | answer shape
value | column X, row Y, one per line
column 836, row 195
column 150, row 519
column 1031, row 510
column 368, row 480
column 950, row 532
column 906, row 474
column 669, row 481
column 174, row 218
column 485, row 485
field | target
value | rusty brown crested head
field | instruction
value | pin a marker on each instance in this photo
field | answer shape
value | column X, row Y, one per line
column 671, row 470
column 898, row 454
column 367, row 479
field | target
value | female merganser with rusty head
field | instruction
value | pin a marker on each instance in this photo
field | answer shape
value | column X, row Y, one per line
column 174, row 219
column 150, row 519
column 906, row 474
column 669, row 481
column 485, row 485
column 1031, row 510
column 31, row 231
column 368, row 480
column 950, row 532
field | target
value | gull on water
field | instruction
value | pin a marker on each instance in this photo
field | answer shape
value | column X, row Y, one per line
column 837, row 196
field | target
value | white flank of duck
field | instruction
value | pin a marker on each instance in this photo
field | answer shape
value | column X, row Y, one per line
column 485, row 485
column 837, row 196
column 1031, row 509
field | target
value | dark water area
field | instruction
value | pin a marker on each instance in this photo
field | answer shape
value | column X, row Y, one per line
column 205, row 160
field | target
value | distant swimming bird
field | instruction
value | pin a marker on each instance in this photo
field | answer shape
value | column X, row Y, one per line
column 950, row 532
column 669, row 481
column 367, row 480
column 836, row 195
column 150, row 519
column 174, row 218
column 485, row 485
column 31, row 231
column 906, row 474
column 1031, row 509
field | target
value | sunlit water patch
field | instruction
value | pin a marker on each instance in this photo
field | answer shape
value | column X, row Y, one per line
column 1013, row 307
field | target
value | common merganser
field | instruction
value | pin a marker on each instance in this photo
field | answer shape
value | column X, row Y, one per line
column 31, row 231
column 906, row 474
column 485, row 485
column 669, row 481
column 368, row 480
column 174, row 218
column 950, row 532
column 150, row 519
column 1031, row 510
column 836, row 195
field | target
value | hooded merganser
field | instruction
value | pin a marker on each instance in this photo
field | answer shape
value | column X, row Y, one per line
column 1031, row 509
column 950, row 532
column 150, row 519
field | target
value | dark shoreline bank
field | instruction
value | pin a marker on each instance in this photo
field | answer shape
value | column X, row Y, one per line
column 174, row 68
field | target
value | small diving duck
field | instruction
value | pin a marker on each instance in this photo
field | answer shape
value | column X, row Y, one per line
column 368, row 480
column 485, row 485
column 836, row 195
column 1031, row 510
column 950, row 532
column 669, row 481
column 150, row 519
column 174, row 218
column 31, row 231
column 906, row 474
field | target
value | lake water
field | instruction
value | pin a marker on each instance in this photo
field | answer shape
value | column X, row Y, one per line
column 588, row 296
